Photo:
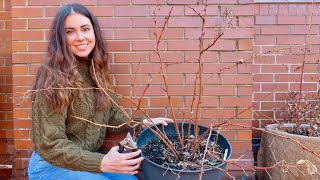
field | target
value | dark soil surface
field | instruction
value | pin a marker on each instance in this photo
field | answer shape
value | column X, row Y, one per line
column 157, row 152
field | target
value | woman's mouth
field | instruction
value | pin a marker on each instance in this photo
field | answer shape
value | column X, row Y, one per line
column 82, row 46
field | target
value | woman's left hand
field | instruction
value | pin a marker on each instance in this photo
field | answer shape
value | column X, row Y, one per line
column 156, row 121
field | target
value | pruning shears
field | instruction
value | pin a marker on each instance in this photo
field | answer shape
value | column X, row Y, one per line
column 127, row 143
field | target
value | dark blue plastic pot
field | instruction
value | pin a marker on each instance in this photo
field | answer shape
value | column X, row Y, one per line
column 153, row 171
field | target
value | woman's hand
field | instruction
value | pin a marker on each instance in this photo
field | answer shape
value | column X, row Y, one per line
column 156, row 121
column 121, row 162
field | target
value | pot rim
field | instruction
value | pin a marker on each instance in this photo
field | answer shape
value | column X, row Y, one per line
column 273, row 128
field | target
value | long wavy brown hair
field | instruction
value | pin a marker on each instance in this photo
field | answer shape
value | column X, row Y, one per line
column 58, row 78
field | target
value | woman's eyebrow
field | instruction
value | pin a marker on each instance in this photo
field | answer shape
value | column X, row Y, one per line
column 85, row 25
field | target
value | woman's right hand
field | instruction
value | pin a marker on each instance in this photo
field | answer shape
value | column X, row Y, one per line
column 116, row 162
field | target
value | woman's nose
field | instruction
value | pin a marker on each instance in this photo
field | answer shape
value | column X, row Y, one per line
column 80, row 36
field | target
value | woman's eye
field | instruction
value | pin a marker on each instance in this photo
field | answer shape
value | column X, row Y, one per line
column 69, row 32
column 86, row 29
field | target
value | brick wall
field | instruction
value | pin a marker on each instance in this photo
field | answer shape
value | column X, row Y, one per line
column 282, row 33
column 128, row 27
column 6, row 122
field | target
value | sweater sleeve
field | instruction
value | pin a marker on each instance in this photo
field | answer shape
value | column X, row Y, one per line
column 52, row 143
column 118, row 117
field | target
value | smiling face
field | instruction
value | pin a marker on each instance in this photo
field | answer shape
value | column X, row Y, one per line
column 79, row 34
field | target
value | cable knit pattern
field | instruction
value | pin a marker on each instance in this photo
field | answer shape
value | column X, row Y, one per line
column 68, row 142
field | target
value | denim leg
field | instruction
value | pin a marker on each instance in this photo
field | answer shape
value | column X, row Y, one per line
column 40, row 169
column 117, row 176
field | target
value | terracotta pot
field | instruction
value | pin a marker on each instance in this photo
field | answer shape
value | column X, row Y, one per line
column 277, row 151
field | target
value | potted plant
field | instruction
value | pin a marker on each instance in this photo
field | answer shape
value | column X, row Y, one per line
column 290, row 149
column 184, row 149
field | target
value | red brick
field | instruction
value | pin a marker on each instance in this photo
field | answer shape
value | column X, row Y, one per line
column 106, row 22
column 206, row 79
column 274, row 87
column 22, row 123
column 283, row 9
column 183, row 68
column 283, row 49
column 134, row 103
column 118, row 45
column 219, row 68
column 219, row 90
column 129, row 79
column 183, row 45
column 21, row 113
column 291, row 20
column 266, row 20
column 120, row 68
column 244, row 113
column 147, row 46
column 274, row 69
column 39, row 23
column 290, row 59
column 27, row 35
column 236, row 79
column 173, row 57
column 207, row 101
column 184, row 22
column 176, row 79
column 4, row 16
column 19, row 46
column 263, row 9
column 131, row 57
column 26, row 12
column 113, row 2
column 275, row 29
column 19, row 24
column 291, row 40
column 131, row 11
column 303, row 29
column 218, row 113
column 19, row 70
column 164, row 102
column 208, row 56
column 5, row 33
column 273, row 9
column 263, row 77
column 176, row 33
column 221, row 45
column 182, row 2
column 131, row 34
column 265, row 40
column 23, row 81
column 23, row 144
column 83, row 2
column 28, row 58
column 38, row 46
column 101, row 10
column 305, row 87
column 245, row 44
column 148, row 2
column 241, row 33
column 41, row 3
column 221, row 1
column 210, row 10
column 51, row 11
column 165, row 10
column 246, row 21
column 146, row 68
column 235, row 102
column 239, row 10
column 287, row 77
column 236, row 56
column 145, row 22
column 245, row 90
column 244, row 135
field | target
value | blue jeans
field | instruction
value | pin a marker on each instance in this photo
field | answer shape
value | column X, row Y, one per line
column 41, row 169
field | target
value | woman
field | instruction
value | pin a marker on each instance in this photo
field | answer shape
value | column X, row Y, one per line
column 68, row 87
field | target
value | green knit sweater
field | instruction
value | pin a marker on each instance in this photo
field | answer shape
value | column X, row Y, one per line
column 68, row 142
